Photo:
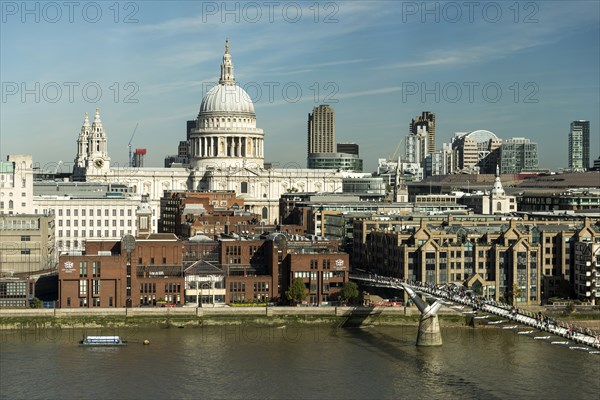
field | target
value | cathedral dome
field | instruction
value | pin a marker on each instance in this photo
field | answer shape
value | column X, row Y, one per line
column 229, row 98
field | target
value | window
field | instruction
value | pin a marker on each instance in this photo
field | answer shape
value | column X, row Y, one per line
column 82, row 269
column 114, row 213
column 82, row 287
column 25, row 251
column 164, row 260
column 68, row 213
column 25, row 238
column 75, row 213
column 106, row 212
column 244, row 188
column 96, row 287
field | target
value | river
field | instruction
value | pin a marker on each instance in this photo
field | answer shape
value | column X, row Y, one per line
column 292, row 362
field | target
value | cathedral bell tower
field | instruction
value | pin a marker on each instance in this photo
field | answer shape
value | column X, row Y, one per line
column 97, row 162
column 82, row 148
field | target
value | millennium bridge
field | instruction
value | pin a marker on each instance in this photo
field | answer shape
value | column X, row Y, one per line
column 554, row 331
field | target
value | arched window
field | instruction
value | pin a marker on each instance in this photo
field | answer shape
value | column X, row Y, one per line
column 499, row 206
column 10, row 204
column 265, row 213
column 244, row 187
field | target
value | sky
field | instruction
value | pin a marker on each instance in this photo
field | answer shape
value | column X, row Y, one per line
column 518, row 69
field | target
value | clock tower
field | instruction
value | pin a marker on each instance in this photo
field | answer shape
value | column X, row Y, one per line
column 98, row 161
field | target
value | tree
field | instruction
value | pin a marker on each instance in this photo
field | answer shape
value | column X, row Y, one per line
column 297, row 291
column 349, row 292
column 36, row 303
column 516, row 292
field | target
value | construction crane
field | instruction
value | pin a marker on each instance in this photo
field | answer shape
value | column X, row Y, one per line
column 392, row 157
column 129, row 144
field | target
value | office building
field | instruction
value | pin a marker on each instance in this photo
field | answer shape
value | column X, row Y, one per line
column 425, row 123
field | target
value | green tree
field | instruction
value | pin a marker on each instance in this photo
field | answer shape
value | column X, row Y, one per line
column 349, row 292
column 297, row 291
column 515, row 293
column 36, row 303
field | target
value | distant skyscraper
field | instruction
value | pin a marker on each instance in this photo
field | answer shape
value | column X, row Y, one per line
column 425, row 121
column 579, row 145
column 321, row 130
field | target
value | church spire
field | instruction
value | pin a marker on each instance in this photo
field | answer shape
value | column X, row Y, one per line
column 497, row 190
column 97, row 117
column 86, row 121
column 227, row 67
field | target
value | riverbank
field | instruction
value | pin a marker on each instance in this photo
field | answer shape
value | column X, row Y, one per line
column 189, row 316
column 18, row 319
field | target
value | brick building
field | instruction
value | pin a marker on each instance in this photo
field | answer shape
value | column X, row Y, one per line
column 107, row 275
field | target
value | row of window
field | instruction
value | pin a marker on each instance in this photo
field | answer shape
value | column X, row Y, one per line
column 11, row 204
column 90, row 233
column 91, row 222
column 67, row 212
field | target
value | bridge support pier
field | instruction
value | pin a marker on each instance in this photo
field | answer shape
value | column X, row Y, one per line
column 429, row 331
column 429, row 325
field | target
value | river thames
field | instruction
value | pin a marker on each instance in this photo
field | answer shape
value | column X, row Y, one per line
column 292, row 362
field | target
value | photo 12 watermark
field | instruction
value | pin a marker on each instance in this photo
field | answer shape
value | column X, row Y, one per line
column 453, row 12
column 470, row 92
column 271, row 92
column 253, row 12
column 54, row 12
column 69, row 92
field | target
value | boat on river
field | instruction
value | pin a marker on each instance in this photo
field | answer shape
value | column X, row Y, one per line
column 102, row 341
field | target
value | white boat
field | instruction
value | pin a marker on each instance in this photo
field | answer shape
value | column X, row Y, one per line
column 102, row 341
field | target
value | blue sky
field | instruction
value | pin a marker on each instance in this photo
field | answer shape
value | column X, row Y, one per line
column 377, row 63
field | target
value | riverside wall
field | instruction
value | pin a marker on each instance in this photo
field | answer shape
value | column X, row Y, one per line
column 183, row 316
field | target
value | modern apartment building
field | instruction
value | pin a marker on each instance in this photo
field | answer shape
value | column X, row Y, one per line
column 321, row 130
column 518, row 154
column 579, row 145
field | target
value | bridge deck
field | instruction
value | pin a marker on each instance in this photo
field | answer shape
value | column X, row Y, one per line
column 487, row 306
